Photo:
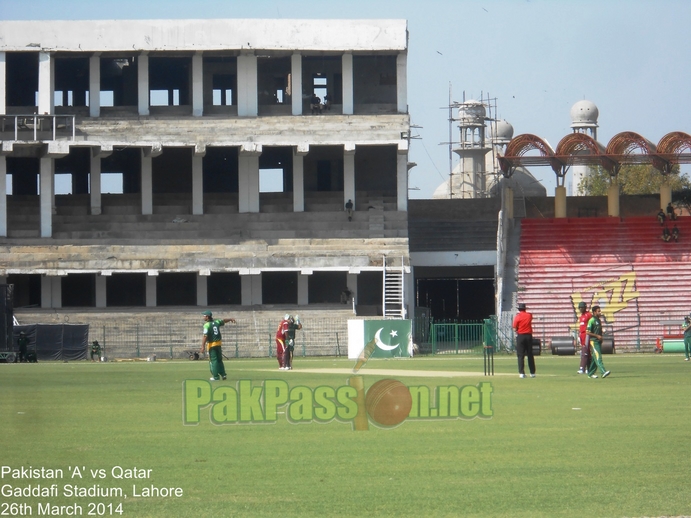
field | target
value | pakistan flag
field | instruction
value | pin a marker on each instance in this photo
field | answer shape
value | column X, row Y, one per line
column 391, row 338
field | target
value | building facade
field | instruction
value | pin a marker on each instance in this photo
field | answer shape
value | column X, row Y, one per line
column 150, row 163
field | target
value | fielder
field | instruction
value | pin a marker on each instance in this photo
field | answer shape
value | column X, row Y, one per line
column 594, row 331
column 211, row 340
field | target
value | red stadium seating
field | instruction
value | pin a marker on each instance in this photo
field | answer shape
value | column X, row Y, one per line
column 622, row 264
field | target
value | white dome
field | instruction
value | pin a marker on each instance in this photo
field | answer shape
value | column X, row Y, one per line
column 584, row 113
column 472, row 111
column 503, row 130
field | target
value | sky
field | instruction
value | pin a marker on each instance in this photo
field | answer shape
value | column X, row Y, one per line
column 534, row 58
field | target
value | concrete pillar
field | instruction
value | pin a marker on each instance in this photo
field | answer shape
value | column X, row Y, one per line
column 95, row 85
column 47, row 197
column 147, row 184
column 347, row 72
column 143, row 84
column 351, row 282
column 197, row 84
column 202, row 289
column 613, row 200
column 402, row 177
column 248, row 99
column 46, row 83
column 560, row 202
column 348, row 173
column 299, row 177
column 56, row 295
column 296, row 80
column 101, row 291
column 409, row 294
column 303, row 288
column 46, row 291
column 3, row 83
column 151, row 289
column 507, row 200
column 251, row 289
column 3, row 196
column 665, row 194
column 197, row 184
column 248, row 178
column 257, row 289
column 402, row 82
column 95, row 194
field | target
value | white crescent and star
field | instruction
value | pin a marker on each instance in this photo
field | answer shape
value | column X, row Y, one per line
column 382, row 345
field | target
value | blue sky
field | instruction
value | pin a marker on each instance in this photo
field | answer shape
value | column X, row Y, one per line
column 535, row 57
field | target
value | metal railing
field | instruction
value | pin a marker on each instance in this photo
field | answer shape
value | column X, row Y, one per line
column 39, row 127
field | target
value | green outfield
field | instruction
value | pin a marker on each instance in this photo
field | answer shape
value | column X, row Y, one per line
column 556, row 445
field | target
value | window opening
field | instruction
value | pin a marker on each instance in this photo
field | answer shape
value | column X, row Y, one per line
column 271, row 180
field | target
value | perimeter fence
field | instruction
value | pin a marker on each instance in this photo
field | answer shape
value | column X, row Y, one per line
column 328, row 336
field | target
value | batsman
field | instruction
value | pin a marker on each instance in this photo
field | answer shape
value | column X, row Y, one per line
column 285, row 341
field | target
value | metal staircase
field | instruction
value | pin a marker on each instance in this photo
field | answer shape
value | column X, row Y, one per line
column 394, row 306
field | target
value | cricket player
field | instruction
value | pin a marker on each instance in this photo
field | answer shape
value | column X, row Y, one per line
column 583, row 337
column 594, row 331
column 211, row 340
column 686, row 329
column 285, row 341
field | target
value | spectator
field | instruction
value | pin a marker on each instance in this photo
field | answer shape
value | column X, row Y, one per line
column 345, row 296
column 95, row 350
column 675, row 233
column 349, row 209
column 316, row 104
column 22, row 342
column 671, row 214
column 665, row 234
column 661, row 217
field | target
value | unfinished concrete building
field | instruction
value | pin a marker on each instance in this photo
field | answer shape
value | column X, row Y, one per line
column 183, row 163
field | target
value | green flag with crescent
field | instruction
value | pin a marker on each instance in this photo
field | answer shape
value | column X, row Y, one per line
column 392, row 338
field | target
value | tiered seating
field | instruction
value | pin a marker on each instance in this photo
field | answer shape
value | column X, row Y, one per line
column 172, row 219
column 621, row 264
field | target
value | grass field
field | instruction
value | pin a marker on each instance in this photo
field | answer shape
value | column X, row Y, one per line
column 557, row 445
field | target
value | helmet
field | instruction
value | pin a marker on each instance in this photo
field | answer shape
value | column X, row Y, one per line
column 286, row 316
column 582, row 305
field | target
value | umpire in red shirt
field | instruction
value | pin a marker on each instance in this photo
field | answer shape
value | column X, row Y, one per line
column 523, row 325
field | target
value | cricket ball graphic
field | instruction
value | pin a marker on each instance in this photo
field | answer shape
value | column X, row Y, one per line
column 388, row 402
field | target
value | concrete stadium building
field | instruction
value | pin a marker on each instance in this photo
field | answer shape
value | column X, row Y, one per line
column 178, row 163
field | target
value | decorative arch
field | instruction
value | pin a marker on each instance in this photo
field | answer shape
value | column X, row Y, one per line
column 522, row 144
column 669, row 150
column 585, row 148
column 621, row 148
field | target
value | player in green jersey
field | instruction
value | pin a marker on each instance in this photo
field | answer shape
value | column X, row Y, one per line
column 594, row 331
column 211, row 340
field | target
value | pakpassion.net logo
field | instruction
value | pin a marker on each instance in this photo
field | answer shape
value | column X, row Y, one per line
column 387, row 403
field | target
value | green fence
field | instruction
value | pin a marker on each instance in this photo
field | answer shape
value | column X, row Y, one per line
column 457, row 338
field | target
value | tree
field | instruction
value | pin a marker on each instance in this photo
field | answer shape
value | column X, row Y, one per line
column 632, row 179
